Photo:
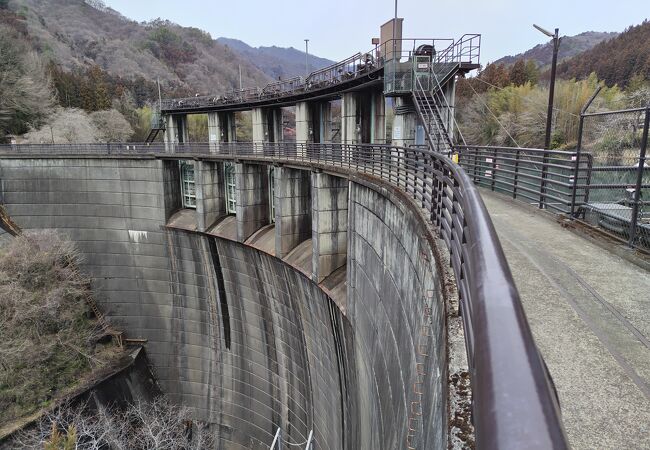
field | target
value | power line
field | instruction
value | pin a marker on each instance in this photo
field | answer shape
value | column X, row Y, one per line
column 522, row 97
column 493, row 115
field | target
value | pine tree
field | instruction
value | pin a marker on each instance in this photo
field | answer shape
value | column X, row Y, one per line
column 517, row 74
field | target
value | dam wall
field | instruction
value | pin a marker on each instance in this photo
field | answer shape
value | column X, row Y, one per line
column 240, row 336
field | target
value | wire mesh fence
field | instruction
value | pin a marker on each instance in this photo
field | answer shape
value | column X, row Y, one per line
column 605, row 181
column 618, row 189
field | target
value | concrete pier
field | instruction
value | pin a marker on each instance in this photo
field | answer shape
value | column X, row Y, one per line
column 304, row 129
column 252, row 193
column 214, row 131
column 260, row 126
column 210, row 193
column 405, row 123
column 377, row 117
column 324, row 122
column 350, row 123
column 329, row 224
column 176, row 131
column 292, row 202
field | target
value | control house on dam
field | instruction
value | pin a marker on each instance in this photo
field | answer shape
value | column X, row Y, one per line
column 296, row 293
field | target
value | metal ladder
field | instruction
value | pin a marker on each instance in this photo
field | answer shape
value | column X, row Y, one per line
column 430, row 105
column 103, row 323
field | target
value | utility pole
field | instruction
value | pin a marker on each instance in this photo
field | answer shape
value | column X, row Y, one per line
column 549, row 113
column 306, row 56
column 551, row 91
column 394, row 30
column 240, row 85
column 159, row 94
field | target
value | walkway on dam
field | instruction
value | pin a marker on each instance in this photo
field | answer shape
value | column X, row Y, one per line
column 589, row 311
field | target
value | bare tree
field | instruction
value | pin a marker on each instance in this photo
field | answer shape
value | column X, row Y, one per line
column 143, row 425
column 111, row 125
column 26, row 94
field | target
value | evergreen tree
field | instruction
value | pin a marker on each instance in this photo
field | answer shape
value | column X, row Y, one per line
column 518, row 74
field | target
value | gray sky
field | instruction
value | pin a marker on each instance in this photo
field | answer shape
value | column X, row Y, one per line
column 340, row 28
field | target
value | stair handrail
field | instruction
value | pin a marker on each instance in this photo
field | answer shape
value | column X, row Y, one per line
column 453, row 116
column 443, row 133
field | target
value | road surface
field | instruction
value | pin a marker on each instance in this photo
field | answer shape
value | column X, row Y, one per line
column 589, row 311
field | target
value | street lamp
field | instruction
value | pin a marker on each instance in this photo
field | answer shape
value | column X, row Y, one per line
column 549, row 113
column 306, row 55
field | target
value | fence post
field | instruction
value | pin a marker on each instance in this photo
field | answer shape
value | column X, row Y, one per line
column 639, row 178
column 579, row 152
column 494, row 169
column 576, row 171
column 542, row 184
column 514, row 185
column 476, row 171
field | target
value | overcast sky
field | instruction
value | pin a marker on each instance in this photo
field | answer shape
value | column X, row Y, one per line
column 340, row 28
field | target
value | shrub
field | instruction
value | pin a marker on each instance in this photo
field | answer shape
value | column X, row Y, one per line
column 47, row 338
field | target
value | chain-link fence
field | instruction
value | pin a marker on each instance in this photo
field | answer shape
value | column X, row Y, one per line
column 617, row 196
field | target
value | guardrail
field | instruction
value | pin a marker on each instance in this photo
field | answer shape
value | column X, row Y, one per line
column 572, row 183
column 350, row 68
column 464, row 50
column 546, row 178
column 514, row 405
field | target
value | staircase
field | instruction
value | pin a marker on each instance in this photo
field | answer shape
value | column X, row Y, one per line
column 435, row 129
column 157, row 125
column 432, row 107
column 152, row 135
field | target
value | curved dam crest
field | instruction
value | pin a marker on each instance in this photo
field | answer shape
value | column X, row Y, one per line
column 246, row 340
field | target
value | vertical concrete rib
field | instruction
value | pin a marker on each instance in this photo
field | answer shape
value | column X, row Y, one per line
column 329, row 224
column 210, row 193
column 292, row 209
column 252, row 194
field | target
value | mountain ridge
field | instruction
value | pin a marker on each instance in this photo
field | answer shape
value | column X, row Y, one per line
column 79, row 34
column 570, row 46
column 276, row 62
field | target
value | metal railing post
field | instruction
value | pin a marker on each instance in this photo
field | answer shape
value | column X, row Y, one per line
column 476, row 170
column 579, row 150
column 516, row 179
column 576, row 170
column 494, row 170
column 542, row 184
column 639, row 179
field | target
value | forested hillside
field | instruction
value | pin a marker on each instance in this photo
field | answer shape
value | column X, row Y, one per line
column 77, row 35
column 506, row 104
column 615, row 61
column 78, row 71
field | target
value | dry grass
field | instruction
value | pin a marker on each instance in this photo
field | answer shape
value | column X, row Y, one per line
column 48, row 338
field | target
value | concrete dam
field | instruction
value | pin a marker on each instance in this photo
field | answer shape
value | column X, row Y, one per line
column 311, row 323
column 302, row 295
column 301, row 287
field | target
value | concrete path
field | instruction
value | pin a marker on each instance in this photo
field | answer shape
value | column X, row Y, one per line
column 590, row 314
